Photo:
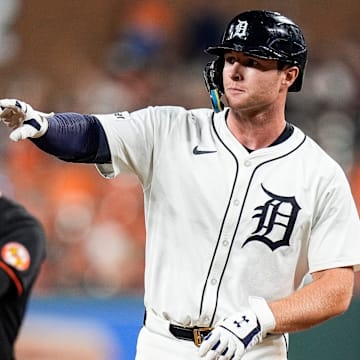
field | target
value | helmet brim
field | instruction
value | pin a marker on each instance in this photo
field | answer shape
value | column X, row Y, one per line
column 222, row 48
column 258, row 52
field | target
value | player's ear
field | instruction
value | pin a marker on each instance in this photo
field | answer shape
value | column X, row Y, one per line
column 290, row 75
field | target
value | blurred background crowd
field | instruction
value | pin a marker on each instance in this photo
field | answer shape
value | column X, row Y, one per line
column 102, row 56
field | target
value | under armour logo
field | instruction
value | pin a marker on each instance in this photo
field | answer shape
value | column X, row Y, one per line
column 238, row 30
column 244, row 319
column 280, row 213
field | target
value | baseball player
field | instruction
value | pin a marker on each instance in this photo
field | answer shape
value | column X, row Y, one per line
column 240, row 205
column 22, row 251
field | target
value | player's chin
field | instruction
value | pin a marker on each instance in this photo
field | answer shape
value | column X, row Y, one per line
column 236, row 102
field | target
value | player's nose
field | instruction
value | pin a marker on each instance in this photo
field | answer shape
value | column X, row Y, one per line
column 236, row 71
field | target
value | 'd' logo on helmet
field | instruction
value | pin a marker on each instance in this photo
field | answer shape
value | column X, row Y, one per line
column 238, row 30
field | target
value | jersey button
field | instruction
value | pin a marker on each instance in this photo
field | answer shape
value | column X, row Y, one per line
column 213, row 281
column 225, row 243
column 236, row 202
column 247, row 163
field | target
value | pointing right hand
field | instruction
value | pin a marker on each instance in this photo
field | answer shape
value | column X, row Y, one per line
column 23, row 119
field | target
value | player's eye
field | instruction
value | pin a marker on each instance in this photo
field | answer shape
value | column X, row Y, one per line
column 230, row 59
column 252, row 63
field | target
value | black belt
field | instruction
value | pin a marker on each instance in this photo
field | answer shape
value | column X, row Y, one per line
column 195, row 334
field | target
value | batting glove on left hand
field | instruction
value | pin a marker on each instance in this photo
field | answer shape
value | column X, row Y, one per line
column 239, row 332
column 23, row 119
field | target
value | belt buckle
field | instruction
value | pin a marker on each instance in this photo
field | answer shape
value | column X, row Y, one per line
column 200, row 333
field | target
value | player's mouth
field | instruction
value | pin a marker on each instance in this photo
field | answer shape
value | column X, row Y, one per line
column 235, row 90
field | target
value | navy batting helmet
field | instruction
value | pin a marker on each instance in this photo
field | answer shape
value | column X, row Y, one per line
column 259, row 33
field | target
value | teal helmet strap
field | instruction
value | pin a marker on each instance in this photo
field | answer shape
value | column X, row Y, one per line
column 215, row 100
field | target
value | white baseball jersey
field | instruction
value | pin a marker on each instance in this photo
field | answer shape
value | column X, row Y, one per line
column 222, row 223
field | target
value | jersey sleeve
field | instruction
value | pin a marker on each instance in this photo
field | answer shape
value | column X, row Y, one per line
column 335, row 239
column 135, row 138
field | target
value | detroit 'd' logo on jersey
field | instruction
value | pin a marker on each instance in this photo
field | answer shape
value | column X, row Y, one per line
column 16, row 255
column 278, row 213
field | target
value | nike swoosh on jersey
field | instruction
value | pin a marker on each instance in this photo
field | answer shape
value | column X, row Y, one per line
column 196, row 151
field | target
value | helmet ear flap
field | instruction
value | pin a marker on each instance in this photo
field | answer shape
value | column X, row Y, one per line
column 214, row 84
